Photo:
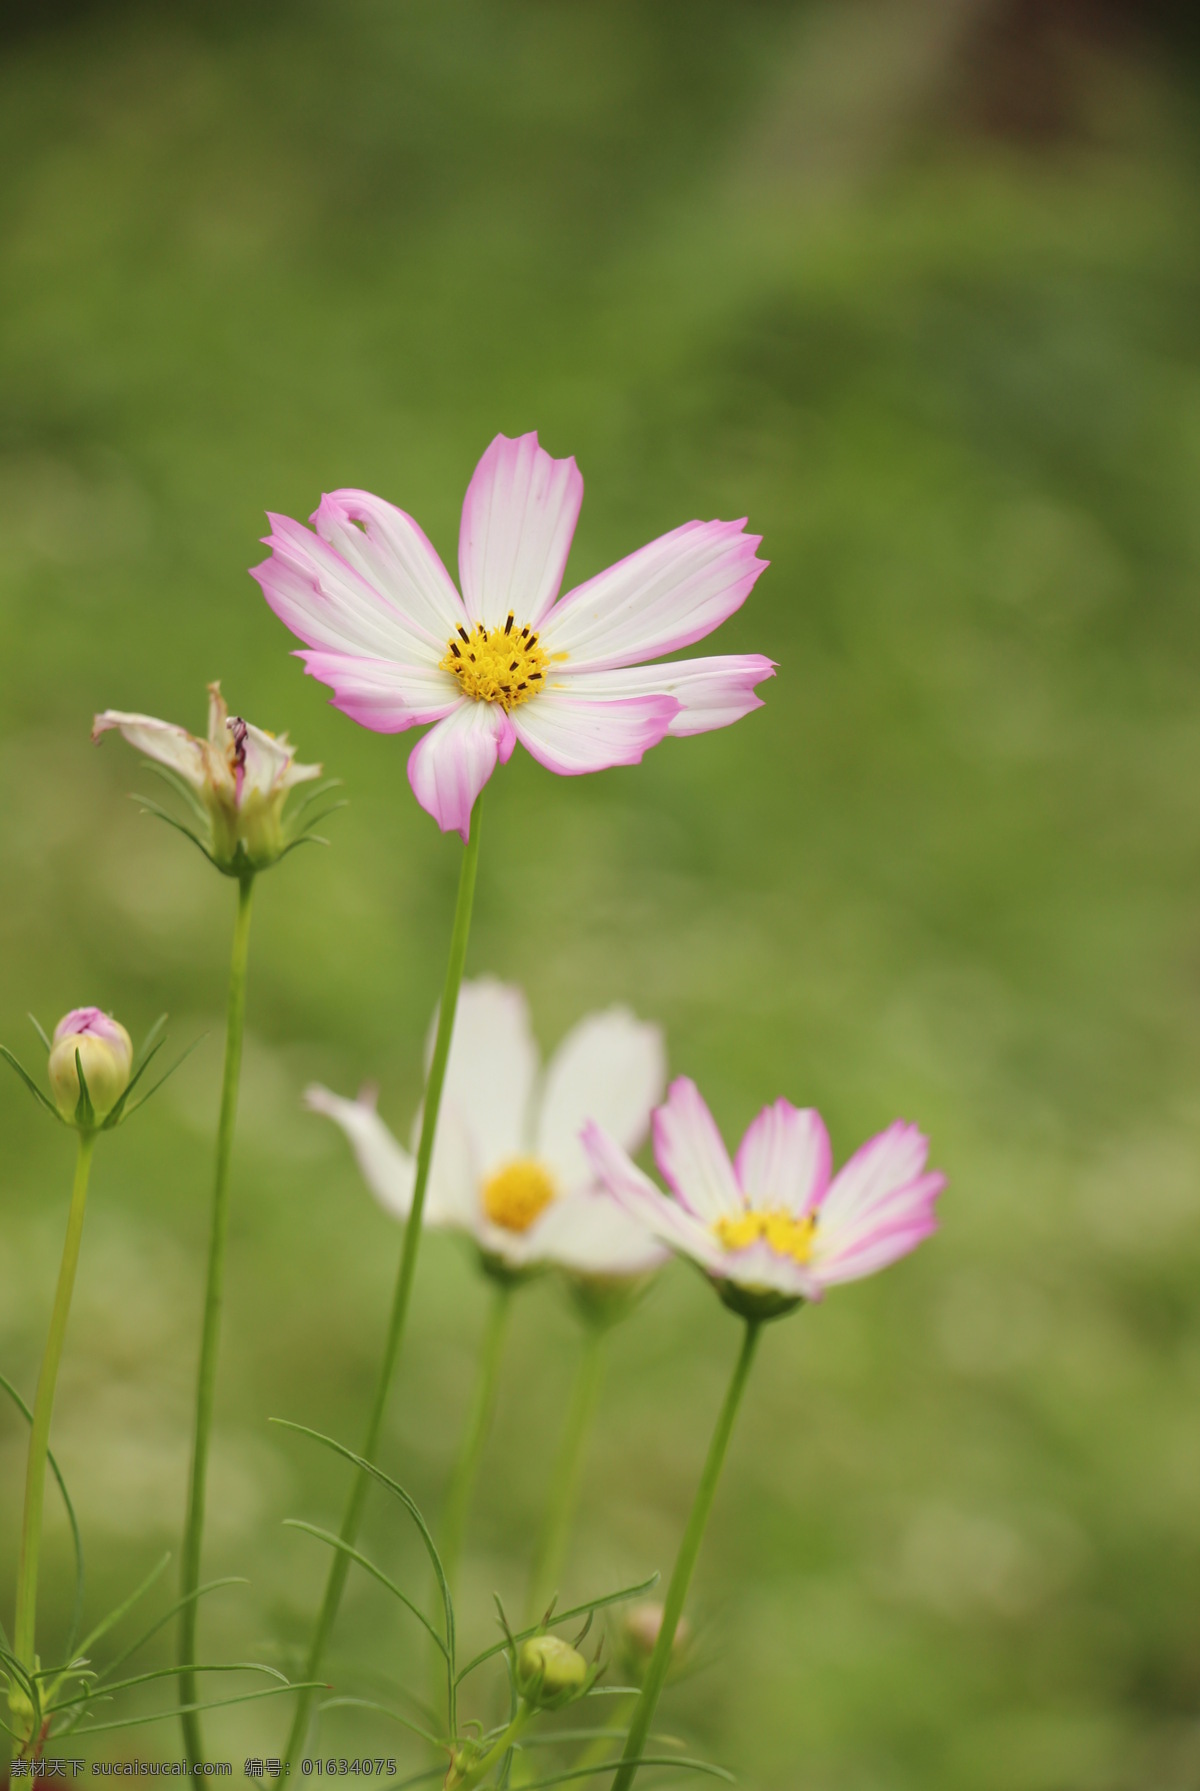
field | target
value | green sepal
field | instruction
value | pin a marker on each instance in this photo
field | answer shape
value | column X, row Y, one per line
column 757, row 1304
column 155, row 808
column 577, row 1610
column 40, row 1030
column 150, row 1043
column 126, row 1112
column 85, row 1113
column 30, row 1084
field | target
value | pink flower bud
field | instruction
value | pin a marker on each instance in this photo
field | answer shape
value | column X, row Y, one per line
column 105, row 1052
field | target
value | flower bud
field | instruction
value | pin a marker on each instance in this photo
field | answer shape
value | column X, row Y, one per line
column 550, row 1672
column 639, row 1634
column 106, row 1054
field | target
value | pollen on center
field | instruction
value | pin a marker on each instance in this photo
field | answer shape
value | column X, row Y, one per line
column 775, row 1226
column 497, row 665
column 518, row 1191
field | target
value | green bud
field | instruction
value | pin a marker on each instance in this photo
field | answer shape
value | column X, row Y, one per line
column 93, row 1039
column 550, row 1673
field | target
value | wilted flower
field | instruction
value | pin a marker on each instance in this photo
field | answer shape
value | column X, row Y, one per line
column 550, row 1673
column 388, row 632
column 235, row 782
column 104, row 1049
column 508, row 1168
column 771, row 1228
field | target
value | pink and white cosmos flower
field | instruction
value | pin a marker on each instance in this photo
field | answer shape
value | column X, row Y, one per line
column 772, row 1224
column 510, row 660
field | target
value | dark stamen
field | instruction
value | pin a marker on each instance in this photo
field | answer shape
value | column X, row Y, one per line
column 463, row 632
column 455, row 651
column 513, row 666
column 522, row 685
column 535, row 674
column 509, row 623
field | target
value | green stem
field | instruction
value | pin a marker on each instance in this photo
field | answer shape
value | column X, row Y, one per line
column 340, row 1564
column 685, row 1561
column 210, row 1336
column 483, row 1401
column 43, row 1404
column 474, row 1775
column 556, row 1525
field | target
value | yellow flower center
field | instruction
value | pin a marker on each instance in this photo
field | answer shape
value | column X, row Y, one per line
column 517, row 1193
column 784, row 1234
column 497, row 665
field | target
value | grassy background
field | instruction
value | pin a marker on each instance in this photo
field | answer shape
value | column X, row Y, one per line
column 919, row 293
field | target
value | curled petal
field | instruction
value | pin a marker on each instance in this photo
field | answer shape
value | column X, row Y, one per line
column 784, row 1159
column 268, row 763
column 572, row 734
column 665, row 596
column 518, row 521
column 691, row 1154
column 711, row 693
column 448, row 768
column 169, row 745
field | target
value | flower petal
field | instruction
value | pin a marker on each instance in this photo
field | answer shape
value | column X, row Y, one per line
column 518, row 520
column 610, row 1068
column 449, row 767
column 711, row 692
column 268, row 763
column 330, row 603
column 893, row 1235
column 665, row 596
column 620, row 1178
column 386, row 1167
column 589, row 1233
column 784, row 1159
column 490, row 1074
column 691, row 1154
column 570, row 734
column 383, row 694
column 878, row 1206
column 162, row 741
column 394, row 554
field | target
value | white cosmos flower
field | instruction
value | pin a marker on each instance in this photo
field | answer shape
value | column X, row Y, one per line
column 508, row 1168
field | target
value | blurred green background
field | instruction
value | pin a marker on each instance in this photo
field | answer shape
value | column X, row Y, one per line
column 913, row 283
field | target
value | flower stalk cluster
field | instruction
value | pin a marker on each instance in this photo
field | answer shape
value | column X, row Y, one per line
column 533, row 1166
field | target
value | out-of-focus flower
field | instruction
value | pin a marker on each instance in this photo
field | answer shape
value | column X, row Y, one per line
column 105, row 1050
column 235, row 783
column 638, row 1634
column 389, row 633
column 508, row 1168
column 771, row 1228
column 550, row 1673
